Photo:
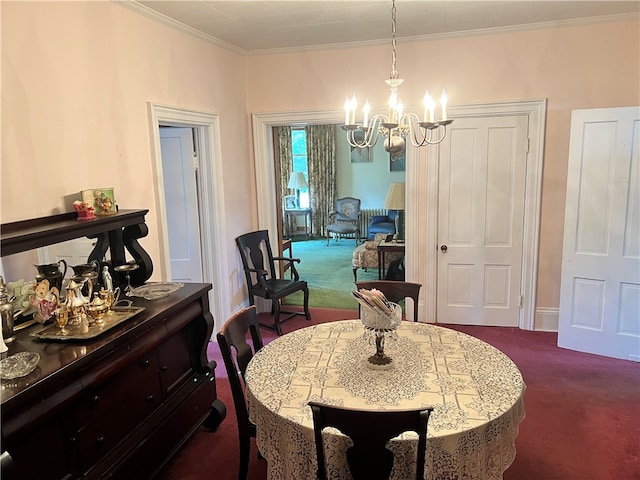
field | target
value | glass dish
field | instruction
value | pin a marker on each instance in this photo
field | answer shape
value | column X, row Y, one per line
column 156, row 290
column 18, row 365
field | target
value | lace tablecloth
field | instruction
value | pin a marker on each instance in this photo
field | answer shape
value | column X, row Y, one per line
column 476, row 391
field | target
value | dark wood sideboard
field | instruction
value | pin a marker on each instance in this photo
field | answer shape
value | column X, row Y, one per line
column 120, row 405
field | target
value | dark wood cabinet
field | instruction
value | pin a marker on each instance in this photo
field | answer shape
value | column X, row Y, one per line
column 120, row 405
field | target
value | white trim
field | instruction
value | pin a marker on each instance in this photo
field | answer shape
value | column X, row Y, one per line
column 214, row 251
column 547, row 319
column 422, row 194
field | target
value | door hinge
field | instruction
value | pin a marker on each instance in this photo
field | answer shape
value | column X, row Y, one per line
column 521, row 306
column 195, row 162
column 528, row 146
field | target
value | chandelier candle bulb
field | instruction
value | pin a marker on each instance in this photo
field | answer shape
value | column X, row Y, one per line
column 354, row 104
column 425, row 102
column 432, row 109
column 443, row 103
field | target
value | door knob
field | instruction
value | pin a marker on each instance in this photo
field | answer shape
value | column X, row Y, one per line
column 443, row 248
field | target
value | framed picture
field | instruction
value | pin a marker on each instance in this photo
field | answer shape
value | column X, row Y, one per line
column 360, row 155
column 397, row 161
column 101, row 199
column 290, row 202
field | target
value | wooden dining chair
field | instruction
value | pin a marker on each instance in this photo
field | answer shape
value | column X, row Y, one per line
column 370, row 431
column 395, row 291
column 234, row 335
column 262, row 279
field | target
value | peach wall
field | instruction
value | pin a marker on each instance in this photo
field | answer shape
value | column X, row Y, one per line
column 77, row 76
column 76, row 79
column 572, row 66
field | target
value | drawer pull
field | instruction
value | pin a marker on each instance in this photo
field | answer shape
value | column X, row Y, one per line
column 146, row 363
column 100, row 440
column 150, row 398
column 95, row 399
column 164, row 368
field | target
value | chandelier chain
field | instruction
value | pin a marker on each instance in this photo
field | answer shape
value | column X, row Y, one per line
column 394, row 71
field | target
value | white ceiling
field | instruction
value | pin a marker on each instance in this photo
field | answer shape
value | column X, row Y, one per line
column 257, row 26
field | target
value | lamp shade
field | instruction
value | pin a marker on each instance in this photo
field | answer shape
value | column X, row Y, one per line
column 395, row 196
column 297, row 180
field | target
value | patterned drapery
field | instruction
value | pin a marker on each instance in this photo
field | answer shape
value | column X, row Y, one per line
column 321, row 165
column 285, row 160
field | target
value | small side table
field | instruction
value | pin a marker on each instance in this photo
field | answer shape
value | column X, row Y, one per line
column 291, row 214
column 383, row 248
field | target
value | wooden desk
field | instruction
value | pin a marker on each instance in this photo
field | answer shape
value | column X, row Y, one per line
column 383, row 249
column 291, row 215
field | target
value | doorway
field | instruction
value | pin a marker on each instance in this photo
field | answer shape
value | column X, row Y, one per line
column 180, row 171
column 421, row 196
column 210, row 201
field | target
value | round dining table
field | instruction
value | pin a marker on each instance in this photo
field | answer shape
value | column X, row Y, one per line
column 476, row 392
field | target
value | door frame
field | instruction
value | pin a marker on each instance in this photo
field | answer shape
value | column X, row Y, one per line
column 422, row 194
column 263, row 153
column 214, row 251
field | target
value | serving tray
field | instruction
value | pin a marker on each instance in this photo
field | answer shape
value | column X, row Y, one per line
column 110, row 320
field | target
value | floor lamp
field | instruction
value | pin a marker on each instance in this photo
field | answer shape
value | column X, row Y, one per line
column 395, row 201
column 296, row 182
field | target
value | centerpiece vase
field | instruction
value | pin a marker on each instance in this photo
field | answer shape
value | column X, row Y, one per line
column 379, row 326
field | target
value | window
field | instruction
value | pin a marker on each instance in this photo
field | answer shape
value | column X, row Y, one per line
column 299, row 153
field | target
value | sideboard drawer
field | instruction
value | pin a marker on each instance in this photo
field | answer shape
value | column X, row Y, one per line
column 126, row 399
column 177, row 360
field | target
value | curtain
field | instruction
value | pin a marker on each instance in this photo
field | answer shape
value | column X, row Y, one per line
column 284, row 162
column 321, row 166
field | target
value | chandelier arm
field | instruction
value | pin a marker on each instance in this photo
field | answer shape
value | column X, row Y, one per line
column 370, row 137
column 412, row 121
column 442, row 129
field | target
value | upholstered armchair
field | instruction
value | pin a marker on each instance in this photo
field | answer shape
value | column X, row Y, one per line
column 366, row 255
column 345, row 220
column 382, row 224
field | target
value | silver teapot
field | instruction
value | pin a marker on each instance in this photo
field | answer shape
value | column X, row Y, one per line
column 76, row 302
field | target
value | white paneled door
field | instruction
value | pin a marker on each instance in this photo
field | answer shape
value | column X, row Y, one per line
column 181, row 198
column 600, row 288
column 480, row 220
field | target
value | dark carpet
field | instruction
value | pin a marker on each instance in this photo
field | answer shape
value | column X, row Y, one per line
column 582, row 413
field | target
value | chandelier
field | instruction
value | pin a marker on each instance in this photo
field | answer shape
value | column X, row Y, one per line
column 397, row 125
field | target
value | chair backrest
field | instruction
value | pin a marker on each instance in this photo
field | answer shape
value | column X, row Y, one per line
column 370, row 431
column 234, row 335
column 395, row 291
column 348, row 209
column 253, row 247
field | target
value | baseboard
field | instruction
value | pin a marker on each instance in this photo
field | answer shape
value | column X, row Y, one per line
column 546, row 319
